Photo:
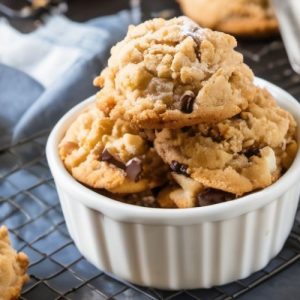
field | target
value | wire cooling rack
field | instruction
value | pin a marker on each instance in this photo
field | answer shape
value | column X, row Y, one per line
column 30, row 208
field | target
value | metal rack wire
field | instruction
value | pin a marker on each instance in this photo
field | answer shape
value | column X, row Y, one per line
column 30, row 208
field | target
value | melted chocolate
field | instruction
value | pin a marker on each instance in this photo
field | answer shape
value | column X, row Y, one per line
column 212, row 196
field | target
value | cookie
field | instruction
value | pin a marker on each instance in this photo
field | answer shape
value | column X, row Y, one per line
column 13, row 267
column 239, row 17
column 182, row 195
column 239, row 155
column 106, row 154
column 171, row 74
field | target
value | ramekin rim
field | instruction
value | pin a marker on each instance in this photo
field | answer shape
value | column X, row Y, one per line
column 98, row 201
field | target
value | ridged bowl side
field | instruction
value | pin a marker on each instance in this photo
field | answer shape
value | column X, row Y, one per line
column 181, row 257
column 178, row 249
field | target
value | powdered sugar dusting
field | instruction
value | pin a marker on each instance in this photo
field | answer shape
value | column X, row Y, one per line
column 192, row 29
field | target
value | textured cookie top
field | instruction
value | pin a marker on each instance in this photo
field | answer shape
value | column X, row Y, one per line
column 238, row 17
column 13, row 267
column 103, row 153
column 238, row 155
column 186, row 192
column 174, row 73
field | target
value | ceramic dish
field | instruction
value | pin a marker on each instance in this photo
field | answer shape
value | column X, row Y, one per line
column 178, row 248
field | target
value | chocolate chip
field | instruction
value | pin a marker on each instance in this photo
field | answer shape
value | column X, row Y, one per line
column 198, row 41
column 178, row 167
column 237, row 117
column 186, row 129
column 198, row 44
column 189, row 131
column 251, row 151
column 217, row 138
column 134, row 168
column 196, row 35
column 155, row 191
column 150, row 144
column 187, row 102
column 213, row 196
column 106, row 156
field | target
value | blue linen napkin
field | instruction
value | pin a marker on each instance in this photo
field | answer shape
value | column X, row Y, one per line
column 45, row 73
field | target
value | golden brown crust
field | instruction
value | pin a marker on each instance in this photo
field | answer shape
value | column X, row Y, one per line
column 13, row 268
column 90, row 135
column 238, row 155
column 240, row 17
column 185, row 89
column 160, row 61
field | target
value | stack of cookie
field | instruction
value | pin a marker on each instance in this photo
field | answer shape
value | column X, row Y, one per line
column 178, row 122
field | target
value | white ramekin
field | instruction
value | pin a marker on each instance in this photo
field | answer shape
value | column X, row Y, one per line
column 178, row 248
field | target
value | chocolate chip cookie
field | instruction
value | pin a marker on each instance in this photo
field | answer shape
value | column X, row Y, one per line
column 178, row 122
column 239, row 155
column 110, row 154
column 171, row 74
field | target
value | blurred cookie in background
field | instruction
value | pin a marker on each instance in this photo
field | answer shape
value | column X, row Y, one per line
column 166, row 9
column 246, row 18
